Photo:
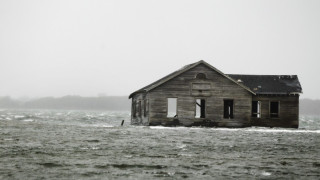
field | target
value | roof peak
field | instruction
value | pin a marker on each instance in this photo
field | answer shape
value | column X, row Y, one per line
column 182, row 70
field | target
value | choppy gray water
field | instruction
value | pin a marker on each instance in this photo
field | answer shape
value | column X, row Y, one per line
column 92, row 145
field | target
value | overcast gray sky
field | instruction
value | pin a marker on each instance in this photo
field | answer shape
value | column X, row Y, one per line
column 77, row 47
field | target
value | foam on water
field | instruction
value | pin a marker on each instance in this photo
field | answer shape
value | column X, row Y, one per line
column 267, row 130
column 284, row 130
column 164, row 127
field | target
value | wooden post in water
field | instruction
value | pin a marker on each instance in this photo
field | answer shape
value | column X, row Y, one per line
column 122, row 122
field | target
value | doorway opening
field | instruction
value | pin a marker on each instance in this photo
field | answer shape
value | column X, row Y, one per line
column 171, row 107
column 228, row 109
column 200, row 108
column 256, row 109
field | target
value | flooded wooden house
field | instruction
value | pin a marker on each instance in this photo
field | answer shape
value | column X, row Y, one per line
column 200, row 94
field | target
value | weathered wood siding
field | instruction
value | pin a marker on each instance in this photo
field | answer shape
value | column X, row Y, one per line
column 288, row 111
column 142, row 112
column 181, row 87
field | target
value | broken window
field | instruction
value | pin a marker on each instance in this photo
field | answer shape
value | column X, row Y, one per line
column 200, row 108
column 172, row 107
column 256, row 109
column 134, row 114
column 274, row 109
column 228, row 108
column 201, row 76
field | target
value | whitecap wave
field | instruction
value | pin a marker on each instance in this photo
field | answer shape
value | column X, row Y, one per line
column 264, row 173
column 19, row 117
column 28, row 120
column 103, row 125
column 90, row 148
column 182, row 146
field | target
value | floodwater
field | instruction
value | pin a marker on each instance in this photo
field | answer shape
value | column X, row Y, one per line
column 41, row 144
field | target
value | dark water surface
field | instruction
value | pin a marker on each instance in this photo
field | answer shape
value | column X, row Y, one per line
column 92, row 145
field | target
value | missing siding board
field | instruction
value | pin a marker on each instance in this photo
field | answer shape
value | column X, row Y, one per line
column 274, row 109
column 139, row 109
column 145, row 107
column 133, row 111
column 200, row 89
column 256, row 109
column 201, row 86
column 200, row 108
column 171, row 107
column 228, row 109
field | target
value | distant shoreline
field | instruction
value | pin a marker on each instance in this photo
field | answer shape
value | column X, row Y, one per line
column 106, row 103
column 119, row 103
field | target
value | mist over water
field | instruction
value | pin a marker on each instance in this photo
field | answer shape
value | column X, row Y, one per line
column 38, row 144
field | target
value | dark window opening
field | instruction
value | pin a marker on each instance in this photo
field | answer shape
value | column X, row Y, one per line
column 256, row 109
column 134, row 114
column 201, row 76
column 139, row 109
column 274, row 109
column 172, row 107
column 200, row 108
column 228, row 109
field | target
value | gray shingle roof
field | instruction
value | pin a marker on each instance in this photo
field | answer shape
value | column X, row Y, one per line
column 270, row 84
